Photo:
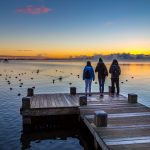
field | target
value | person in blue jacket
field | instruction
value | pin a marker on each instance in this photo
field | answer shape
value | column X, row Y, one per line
column 88, row 76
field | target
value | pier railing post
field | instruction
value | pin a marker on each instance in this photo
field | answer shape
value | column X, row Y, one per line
column 132, row 98
column 100, row 118
column 26, row 103
column 82, row 100
column 26, row 120
column 72, row 90
column 30, row 92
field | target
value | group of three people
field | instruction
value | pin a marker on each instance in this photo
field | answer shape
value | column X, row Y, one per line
column 89, row 75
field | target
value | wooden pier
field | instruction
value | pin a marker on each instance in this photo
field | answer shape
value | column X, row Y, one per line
column 126, row 126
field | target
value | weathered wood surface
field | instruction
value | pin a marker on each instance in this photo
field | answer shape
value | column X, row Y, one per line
column 128, row 124
column 53, row 101
column 52, row 104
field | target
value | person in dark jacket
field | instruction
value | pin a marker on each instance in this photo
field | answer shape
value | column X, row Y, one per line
column 102, row 73
column 88, row 76
column 115, row 72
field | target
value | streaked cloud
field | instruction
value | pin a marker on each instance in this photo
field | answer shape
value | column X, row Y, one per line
column 109, row 23
column 34, row 10
column 24, row 50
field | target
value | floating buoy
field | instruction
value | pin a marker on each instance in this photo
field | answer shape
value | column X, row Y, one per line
column 10, row 88
column 19, row 94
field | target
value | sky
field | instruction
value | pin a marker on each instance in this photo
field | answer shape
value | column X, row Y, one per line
column 64, row 28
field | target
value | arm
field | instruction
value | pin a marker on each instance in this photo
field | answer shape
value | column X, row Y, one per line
column 119, row 71
column 106, row 71
column 110, row 69
column 93, row 74
column 96, row 69
column 83, row 74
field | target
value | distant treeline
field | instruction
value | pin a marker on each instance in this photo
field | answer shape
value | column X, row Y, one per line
column 124, row 56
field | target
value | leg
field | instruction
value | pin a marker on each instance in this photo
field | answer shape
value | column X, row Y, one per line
column 90, row 83
column 112, row 85
column 103, row 82
column 117, row 86
column 86, row 86
column 100, row 85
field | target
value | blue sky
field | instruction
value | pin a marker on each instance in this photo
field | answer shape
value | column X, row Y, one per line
column 74, row 26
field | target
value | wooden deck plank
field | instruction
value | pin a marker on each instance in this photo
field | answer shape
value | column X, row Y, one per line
column 49, row 101
column 128, row 124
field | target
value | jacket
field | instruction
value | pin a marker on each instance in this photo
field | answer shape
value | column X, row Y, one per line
column 90, row 69
column 102, row 70
column 115, row 71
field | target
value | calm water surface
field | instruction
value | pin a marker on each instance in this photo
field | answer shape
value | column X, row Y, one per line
column 135, row 78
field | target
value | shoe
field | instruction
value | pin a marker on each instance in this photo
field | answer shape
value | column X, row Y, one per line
column 101, row 95
column 117, row 94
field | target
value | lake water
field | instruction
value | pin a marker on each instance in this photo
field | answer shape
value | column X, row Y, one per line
column 135, row 78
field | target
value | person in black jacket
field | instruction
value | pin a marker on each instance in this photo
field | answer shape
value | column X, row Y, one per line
column 102, row 73
column 115, row 72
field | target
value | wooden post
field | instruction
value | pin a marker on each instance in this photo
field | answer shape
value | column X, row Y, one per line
column 82, row 100
column 132, row 98
column 26, row 123
column 72, row 90
column 26, row 103
column 100, row 118
column 30, row 92
column 96, row 146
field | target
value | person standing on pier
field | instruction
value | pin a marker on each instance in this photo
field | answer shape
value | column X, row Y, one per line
column 88, row 76
column 115, row 72
column 102, row 73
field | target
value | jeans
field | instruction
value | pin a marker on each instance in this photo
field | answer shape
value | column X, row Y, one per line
column 88, row 85
column 101, row 84
column 115, row 81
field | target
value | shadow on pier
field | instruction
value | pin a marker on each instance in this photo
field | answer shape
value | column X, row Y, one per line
column 56, row 130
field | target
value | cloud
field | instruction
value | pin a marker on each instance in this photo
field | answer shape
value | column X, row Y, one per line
column 24, row 50
column 109, row 23
column 34, row 10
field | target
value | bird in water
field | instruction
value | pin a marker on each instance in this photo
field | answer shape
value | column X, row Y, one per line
column 37, row 71
column 53, row 81
column 60, row 78
column 19, row 94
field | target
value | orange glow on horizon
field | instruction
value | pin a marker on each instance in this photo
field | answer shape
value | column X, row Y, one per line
column 62, row 53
